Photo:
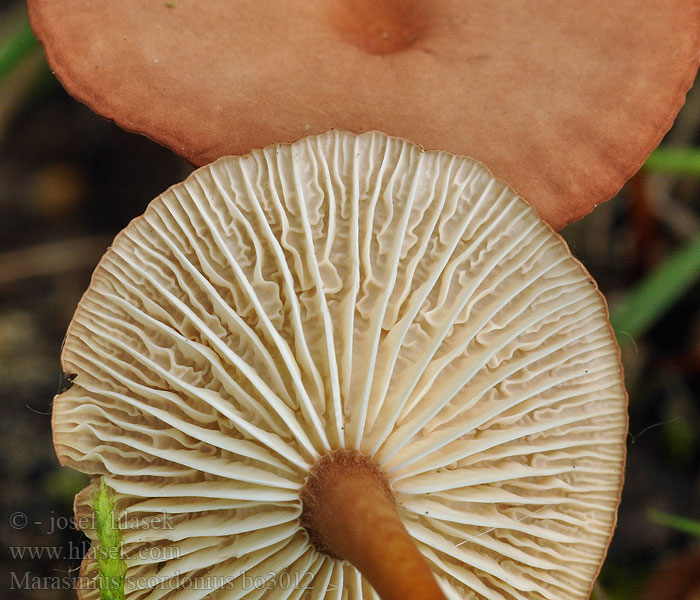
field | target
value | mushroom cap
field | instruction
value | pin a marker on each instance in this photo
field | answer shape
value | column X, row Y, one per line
column 349, row 292
column 564, row 100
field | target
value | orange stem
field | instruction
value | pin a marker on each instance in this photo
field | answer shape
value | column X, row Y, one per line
column 350, row 513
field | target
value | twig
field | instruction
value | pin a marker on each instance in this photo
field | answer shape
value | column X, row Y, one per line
column 51, row 258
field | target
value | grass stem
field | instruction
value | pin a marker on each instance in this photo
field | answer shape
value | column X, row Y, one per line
column 16, row 47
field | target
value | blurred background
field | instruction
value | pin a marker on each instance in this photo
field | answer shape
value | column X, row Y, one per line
column 69, row 181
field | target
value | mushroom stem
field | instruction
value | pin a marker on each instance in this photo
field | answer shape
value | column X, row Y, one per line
column 350, row 513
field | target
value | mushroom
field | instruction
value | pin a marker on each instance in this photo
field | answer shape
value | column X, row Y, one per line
column 340, row 363
column 564, row 100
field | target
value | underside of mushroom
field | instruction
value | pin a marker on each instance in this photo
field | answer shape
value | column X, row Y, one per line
column 315, row 334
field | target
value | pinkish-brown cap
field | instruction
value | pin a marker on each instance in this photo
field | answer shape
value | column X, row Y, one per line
column 563, row 100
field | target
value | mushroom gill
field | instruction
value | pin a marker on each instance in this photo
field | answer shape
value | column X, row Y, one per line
column 345, row 296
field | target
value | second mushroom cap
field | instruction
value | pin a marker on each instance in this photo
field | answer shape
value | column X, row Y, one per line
column 564, row 100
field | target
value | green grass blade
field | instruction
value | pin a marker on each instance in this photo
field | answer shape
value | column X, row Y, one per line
column 109, row 558
column 657, row 292
column 679, row 523
column 17, row 45
column 678, row 160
